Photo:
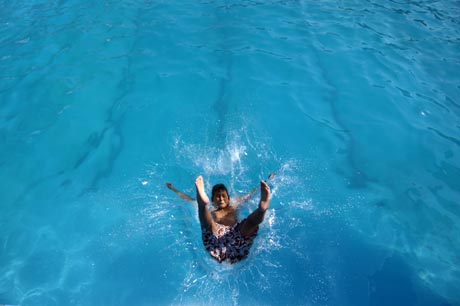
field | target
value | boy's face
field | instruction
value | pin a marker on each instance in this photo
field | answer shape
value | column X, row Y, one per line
column 221, row 199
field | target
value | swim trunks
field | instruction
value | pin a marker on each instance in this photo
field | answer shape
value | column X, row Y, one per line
column 227, row 243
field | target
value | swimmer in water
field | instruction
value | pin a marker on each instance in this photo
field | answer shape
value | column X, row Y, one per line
column 224, row 237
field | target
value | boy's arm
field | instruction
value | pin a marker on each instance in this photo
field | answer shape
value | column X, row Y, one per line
column 247, row 196
column 244, row 198
column 179, row 193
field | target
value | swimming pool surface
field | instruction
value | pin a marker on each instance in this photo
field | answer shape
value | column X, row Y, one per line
column 354, row 104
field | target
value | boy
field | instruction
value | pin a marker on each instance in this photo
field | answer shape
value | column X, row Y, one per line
column 224, row 237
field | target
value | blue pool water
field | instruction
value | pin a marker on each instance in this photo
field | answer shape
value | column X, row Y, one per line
column 354, row 104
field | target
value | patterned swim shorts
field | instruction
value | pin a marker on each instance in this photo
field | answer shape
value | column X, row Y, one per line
column 227, row 243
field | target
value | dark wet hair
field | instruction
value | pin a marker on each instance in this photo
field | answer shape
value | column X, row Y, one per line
column 217, row 188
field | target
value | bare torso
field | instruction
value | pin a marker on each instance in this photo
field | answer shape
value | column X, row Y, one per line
column 225, row 216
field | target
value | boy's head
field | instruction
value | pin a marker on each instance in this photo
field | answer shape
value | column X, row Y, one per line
column 220, row 196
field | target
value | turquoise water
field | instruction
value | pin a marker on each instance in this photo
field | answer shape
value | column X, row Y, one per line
column 354, row 104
